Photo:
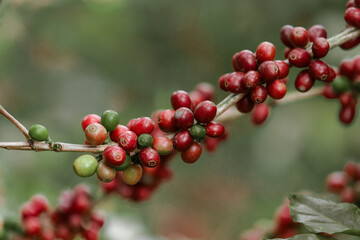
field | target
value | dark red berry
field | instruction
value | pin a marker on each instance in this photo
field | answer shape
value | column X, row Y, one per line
column 89, row 119
column 234, row 82
column 328, row 92
column 222, row 81
column 283, row 69
column 336, row 182
column 149, row 157
column 347, row 68
column 268, row 71
column 251, row 79
column 285, row 35
column 120, row 129
column 205, row 112
column 266, row 51
column 131, row 123
column 95, row 134
column 114, row 155
column 347, row 114
column 348, row 195
column 128, row 141
column 166, row 121
column 181, row 99
column 206, row 89
column 40, row 203
column 287, row 51
column 260, row 114
column 352, row 16
column 259, row 94
column 299, row 57
column 244, row 61
column 214, row 129
column 319, row 70
column 346, row 99
column 304, row 81
column 350, row 3
column 350, row 44
column 97, row 218
column 192, row 154
column 299, row 37
column 332, row 75
column 317, row 31
column 182, row 140
column 352, row 169
column 184, row 118
column 32, row 226
column 276, row 89
column 162, row 145
column 245, row 104
column 320, row 47
column 196, row 98
column 143, row 126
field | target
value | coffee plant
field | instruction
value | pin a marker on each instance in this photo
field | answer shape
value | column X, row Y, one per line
column 132, row 160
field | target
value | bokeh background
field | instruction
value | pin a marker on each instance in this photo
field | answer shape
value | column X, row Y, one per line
column 63, row 59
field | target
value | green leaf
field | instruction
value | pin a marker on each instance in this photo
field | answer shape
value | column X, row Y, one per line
column 307, row 236
column 320, row 215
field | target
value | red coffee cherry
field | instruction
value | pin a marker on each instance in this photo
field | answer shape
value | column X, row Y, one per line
column 287, row 51
column 184, row 118
column 28, row 210
column 266, row 51
column 89, row 119
column 328, row 92
column 214, row 129
column 283, row 218
column 347, row 114
column 192, row 154
column 166, row 121
column 244, row 61
column 95, row 134
column 196, row 98
column 205, row 112
column 114, row 155
column 348, row 195
column 319, row 70
column 182, row 140
column 259, row 94
column 222, row 81
column 206, row 89
column 142, row 193
column 162, row 145
column 251, row 79
column 149, row 157
column 320, row 47
column 336, row 182
column 285, row 35
column 128, row 141
column 105, row 173
column 81, row 204
column 260, row 114
column 357, row 3
column 299, row 37
column 347, row 68
column 276, row 89
column 346, row 98
column 132, row 174
column 32, row 226
column 268, row 71
column 97, row 218
column 131, row 123
column 299, row 57
column 352, row 16
column 304, row 81
column 109, row 187
column 350, row 3
column 120, row 129
column 91, row 234
column 283, row 69
column 143, row 125
column 234, row 82
column 350, row 44
column 245, row 104
column 181, row 99
column 40, row 203
column 317, row 31
column 352, row 169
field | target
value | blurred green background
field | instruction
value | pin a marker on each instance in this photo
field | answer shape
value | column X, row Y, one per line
column 60, row 60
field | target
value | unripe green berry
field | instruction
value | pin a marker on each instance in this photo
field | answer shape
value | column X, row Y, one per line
column 110, row 119
column 105, row 173
column 38, row 133
column 198, row 132
column 85, row 165
column 341, row 84
column 125, row 165
column 145, row 140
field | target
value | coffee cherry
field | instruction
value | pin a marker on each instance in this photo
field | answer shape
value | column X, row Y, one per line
column 91, row 234
column 328, row 92
column 128, row 141
column 251, row 79
column 332, row 75
column 182, row 140
column 346, row 99
column 350, row 43
column 110, row 119
column 184, row 118
column 81, row 204
column 132, row 174
column 260, row 114
column 120, row 129
column 125, row 165
column 320, row 47
column 340, row 84
column 196, row 98
column 95, row 134
column 258, row 94
column 285, row 35
column 38, row 132
column 352, row 169
column 206, row 89
column 266, row 51
column 105, row 173
column 268, row 71
column 114, row 155
column 166, row 121
column 245, row 104
column 299, row 37
column 32, row 226
column 352, row 16
column 192, row 154
column 348, row 195
column 85, row 165
column 205, row 112
column 283, row 69
column 350, row 3
column 198, row 132
column 234, row 82
column 304, row 81
column 145, row 140
column 131, row 123
column 244, row 61
column 347, row 114
column 97, row 218
column 347, row 68
column 40, row 203
column 319, row 70
column 222, row 81
column 214, row 129
column 336, row 182
column 143, row 125
column 287, row 51
column 89, row 119
column 180, row 99
column 317, row 31
column 276, row 89
column 283, row 218
column 357, row 3
column 162, row 145
column 149, row 157
column 299, row 57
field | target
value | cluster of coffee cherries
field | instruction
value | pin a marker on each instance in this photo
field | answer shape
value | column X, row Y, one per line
column 352, row 17
column 73, row 217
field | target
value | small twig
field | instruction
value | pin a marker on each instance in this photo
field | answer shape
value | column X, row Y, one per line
column 21, row 127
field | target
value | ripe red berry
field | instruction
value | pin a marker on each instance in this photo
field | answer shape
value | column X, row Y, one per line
column 259, row 94
column 285, row 35
column 347, row 114
column 332, row 75
column 276, row 89
column 89, row 119
column 304, row 81
column 162, row 145
column 346, row 98
column 350, row 44
column 81, row 204
column 328, row 92
column 347, row 68
column 206, row 89
column 166, row 121
column 214, row 129
column 95, row 134
column 266, row 51
column 28, row 210
column 317, row 31
column 114, row 155
column 352, row 169
column 143, row 126
column 196, row 98
column 244, row 61
column 32, row 226
column 299, row 37
column 40, row 203
column 350, row 3
column 181, row 99
column 319, row 70
column 260, row 114
column 245, row 104
column 283, row 69
column 287, row 51
column 299, row 57
column 283, row 218
column 97, row 218
column 268, row 71
column 149, row 157
column 128, row 141
column 336, row 182
column 120, row 129
column 184, row 118
column 348, row 195
column 205, row 112
column 352, row 16
column 251, row 79
column 222, row 81
column 234, row 82
column 320, row 47
column 192, row 154
column 105, row 173
column 182, row 140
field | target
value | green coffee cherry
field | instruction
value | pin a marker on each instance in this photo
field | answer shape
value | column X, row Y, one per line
column 340, row 84
column 85, row 165
column 198, row 132
column 145, row 140
column 38, row 133
column 110, row 119
column 125, row 165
